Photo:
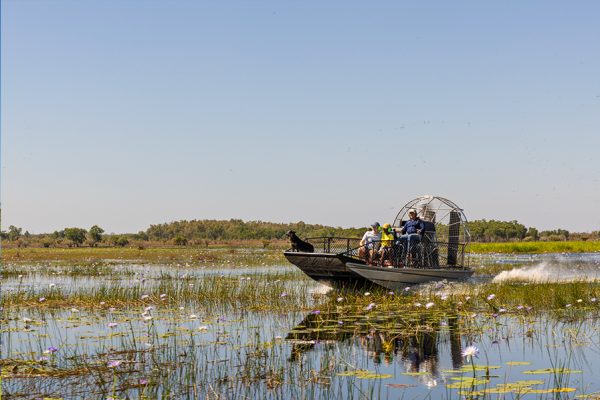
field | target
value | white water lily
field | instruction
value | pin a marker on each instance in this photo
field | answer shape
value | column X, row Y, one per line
column 429, row 305
column 469, row 352
column 203, row 328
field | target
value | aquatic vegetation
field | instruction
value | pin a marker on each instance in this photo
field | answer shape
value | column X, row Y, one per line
column 148, row 331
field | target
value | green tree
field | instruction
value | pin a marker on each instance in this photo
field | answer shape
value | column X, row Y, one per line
column 76, row 235
column 14, row 233
column 95, row 234
column 533, row 233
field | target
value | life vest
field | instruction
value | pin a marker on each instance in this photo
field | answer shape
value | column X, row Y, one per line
column 387, row 238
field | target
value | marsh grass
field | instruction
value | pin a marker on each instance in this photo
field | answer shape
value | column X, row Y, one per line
column 271, row 335
column 256, row 292
column 197, row 256
column 537, row 247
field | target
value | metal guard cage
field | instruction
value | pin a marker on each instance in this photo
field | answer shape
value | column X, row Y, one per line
column 447, row 237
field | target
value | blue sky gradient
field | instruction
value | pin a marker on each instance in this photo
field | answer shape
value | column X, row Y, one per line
column 130, row 113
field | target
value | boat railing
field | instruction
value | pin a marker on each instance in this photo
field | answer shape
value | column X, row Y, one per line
column 333, row 245
column 423, row 254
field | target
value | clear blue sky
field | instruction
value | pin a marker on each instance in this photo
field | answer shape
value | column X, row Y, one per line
column 129, row 113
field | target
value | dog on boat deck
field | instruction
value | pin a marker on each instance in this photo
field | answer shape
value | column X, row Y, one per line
column 299, row 244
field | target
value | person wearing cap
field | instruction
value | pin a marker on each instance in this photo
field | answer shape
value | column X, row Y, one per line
column 411, row 232
column 370, row 242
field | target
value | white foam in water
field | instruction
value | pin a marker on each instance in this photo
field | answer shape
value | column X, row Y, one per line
column 547, row 272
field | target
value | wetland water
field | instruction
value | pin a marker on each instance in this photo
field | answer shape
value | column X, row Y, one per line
column 177, row 331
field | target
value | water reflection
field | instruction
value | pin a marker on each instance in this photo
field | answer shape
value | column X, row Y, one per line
column 414, row 342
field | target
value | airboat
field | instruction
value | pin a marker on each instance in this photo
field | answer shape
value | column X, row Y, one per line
column 442, row 253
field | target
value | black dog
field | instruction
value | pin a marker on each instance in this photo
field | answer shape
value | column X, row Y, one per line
column 299, row 244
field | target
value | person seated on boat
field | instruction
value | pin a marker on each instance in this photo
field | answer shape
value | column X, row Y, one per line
column 411, row 232
column 370, row 242
column 387, row 241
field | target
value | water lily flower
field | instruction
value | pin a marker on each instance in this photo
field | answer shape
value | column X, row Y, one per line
column 340, row 322
column 114, row 363
column 21, row 276
column 502, row 310
column 148, row 309
column 147, row 317
column 429, row 305
column 203, row 328
column 26, row 320
column 418, row 304
column 112, row 309
column 182, row 308
column 74, row 310
column 145, row 296
column 467, row 298
column 579, row 300
column 444, row 297
column 370, row 306
column 469, row 352
column 143, row 381
column 391, row 293
column 51, row 285
column 112, row 324
column 163, row 296
column 43, row 359
column 42, row 299
column 102, row 303
column 50, row 350
column 520, row 307
column 193, row 316
column 593, row 299
column 367, row 293
column 491, row 297
column 495, row 315
column 316, row 312
column 406, row 289
column 340, row 299
column 284, row 294
column 278, row 338
column 568, row 305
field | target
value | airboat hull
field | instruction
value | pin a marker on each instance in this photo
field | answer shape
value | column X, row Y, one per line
column 398, row 278
column 326, row 268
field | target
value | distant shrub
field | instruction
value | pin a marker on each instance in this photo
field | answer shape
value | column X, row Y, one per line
column 180, row 241
column 120, row 241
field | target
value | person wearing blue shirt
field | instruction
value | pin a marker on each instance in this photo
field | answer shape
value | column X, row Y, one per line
column 411, row 232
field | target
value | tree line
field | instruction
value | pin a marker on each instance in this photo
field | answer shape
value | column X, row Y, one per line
column 205, row 231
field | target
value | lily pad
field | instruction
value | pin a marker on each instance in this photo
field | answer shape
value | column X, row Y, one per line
column 552, row 371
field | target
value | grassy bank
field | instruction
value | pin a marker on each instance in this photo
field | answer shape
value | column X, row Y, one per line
column 163, row 255
column 537, row 247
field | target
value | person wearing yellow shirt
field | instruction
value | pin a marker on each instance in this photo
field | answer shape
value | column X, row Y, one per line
column 387, row 241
